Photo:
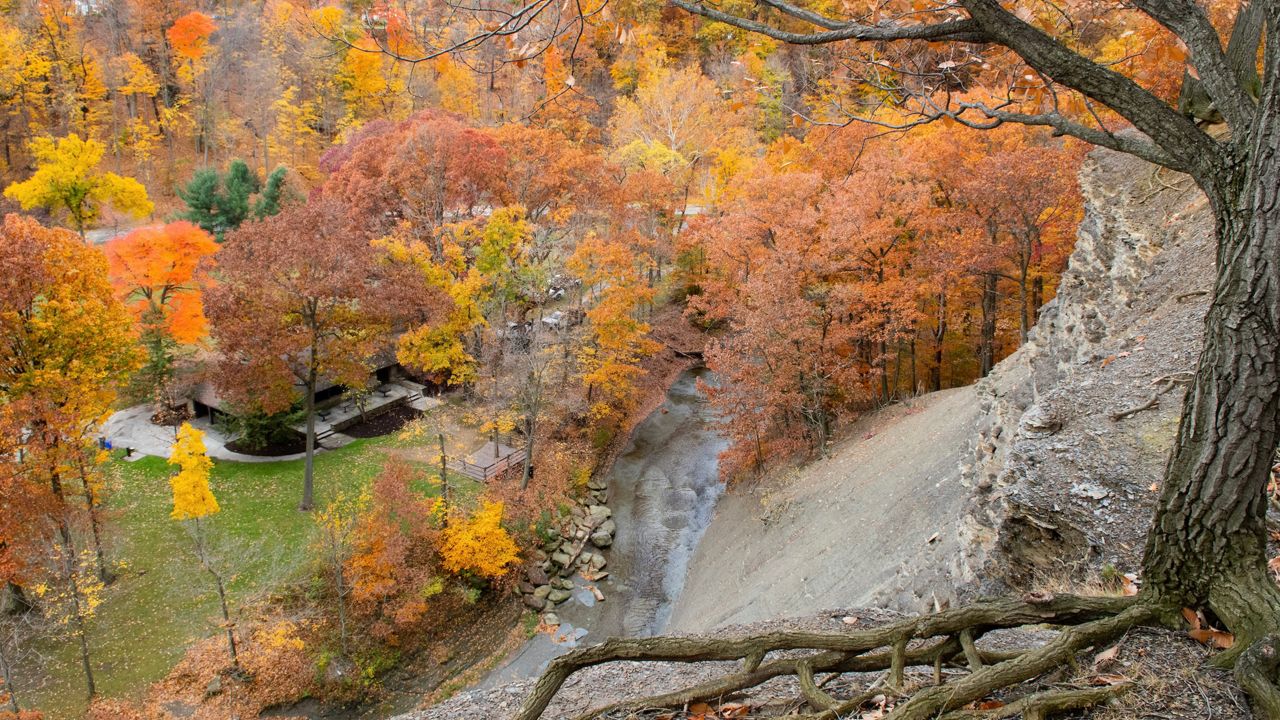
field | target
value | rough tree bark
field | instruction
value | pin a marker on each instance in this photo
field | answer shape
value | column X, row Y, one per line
column 1207, row 545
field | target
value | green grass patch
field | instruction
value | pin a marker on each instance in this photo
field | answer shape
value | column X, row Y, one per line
column 163, row 601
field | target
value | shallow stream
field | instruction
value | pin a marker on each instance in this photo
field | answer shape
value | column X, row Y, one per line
column 663, row 490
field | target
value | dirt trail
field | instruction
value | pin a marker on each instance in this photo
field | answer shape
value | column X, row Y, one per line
column 873, row 524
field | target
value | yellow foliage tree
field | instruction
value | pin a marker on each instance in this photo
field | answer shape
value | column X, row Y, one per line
column 439, row 349
column 613, row 275
column 192, row 498
column 479, row 544
column 137, row 78
column 457, row 87
column 372, row 86
column 295, row 125
column 67, row 179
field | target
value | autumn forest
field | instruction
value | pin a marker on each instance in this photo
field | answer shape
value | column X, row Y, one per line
column 321, row 323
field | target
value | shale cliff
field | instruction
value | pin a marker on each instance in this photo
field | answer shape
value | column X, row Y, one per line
column 1075, row 426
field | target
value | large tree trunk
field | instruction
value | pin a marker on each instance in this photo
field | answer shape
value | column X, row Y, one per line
column 987, row 340
column 308, row 473
column 1242, row 55
column 939, row 336
column 1207, row 546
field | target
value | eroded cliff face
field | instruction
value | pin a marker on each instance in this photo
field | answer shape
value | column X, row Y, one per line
column 1063, row 474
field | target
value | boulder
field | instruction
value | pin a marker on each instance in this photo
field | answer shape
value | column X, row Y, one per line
column 541, row 591
column 551, row 619
column 600, row 513
column 609, row 526
column 537, row 576
column 534, row 603
column 524, row 588
column 561, row 559
column 558, row 596
column 601, row 539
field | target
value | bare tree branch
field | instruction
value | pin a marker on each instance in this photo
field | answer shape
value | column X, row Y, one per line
column 1063, row 126
column 964, row 30
column 805, row 14
column 1187, row 20
column 1174, row 140
column 1176, row 135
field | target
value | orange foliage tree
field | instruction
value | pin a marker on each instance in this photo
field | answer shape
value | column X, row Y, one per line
column 392, row 566
column 189, row 35
column 161, row 272
column 66, row 344
column 829, row 275
column 427, row 170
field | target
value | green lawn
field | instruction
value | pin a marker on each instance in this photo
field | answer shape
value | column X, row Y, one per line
column 163, row 601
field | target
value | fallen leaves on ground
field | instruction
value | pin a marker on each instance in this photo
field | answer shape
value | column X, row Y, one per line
column 1204, row 634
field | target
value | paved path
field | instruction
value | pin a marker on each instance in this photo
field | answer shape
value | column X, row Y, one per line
column 132, row 428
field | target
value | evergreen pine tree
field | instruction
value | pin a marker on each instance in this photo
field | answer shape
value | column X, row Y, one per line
column 272, row 193
column 241, row 182
column 203, row 196
column 219, row 203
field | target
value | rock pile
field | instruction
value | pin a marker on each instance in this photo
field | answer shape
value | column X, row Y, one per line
column 584, row 534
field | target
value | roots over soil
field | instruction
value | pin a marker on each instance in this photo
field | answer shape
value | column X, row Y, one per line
column 932, row 645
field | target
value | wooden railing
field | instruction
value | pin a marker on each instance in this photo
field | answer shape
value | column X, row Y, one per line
column 484, row 473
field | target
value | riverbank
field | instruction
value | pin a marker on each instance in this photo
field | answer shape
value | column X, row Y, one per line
column 876, row 522
column 661, row 489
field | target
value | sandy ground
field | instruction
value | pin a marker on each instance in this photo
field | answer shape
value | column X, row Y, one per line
column 845, row 531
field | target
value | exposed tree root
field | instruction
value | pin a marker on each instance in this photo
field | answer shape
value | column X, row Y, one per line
column 1043, row 704
column 931, row 641
column 1163, row 385
column 1258, row 672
